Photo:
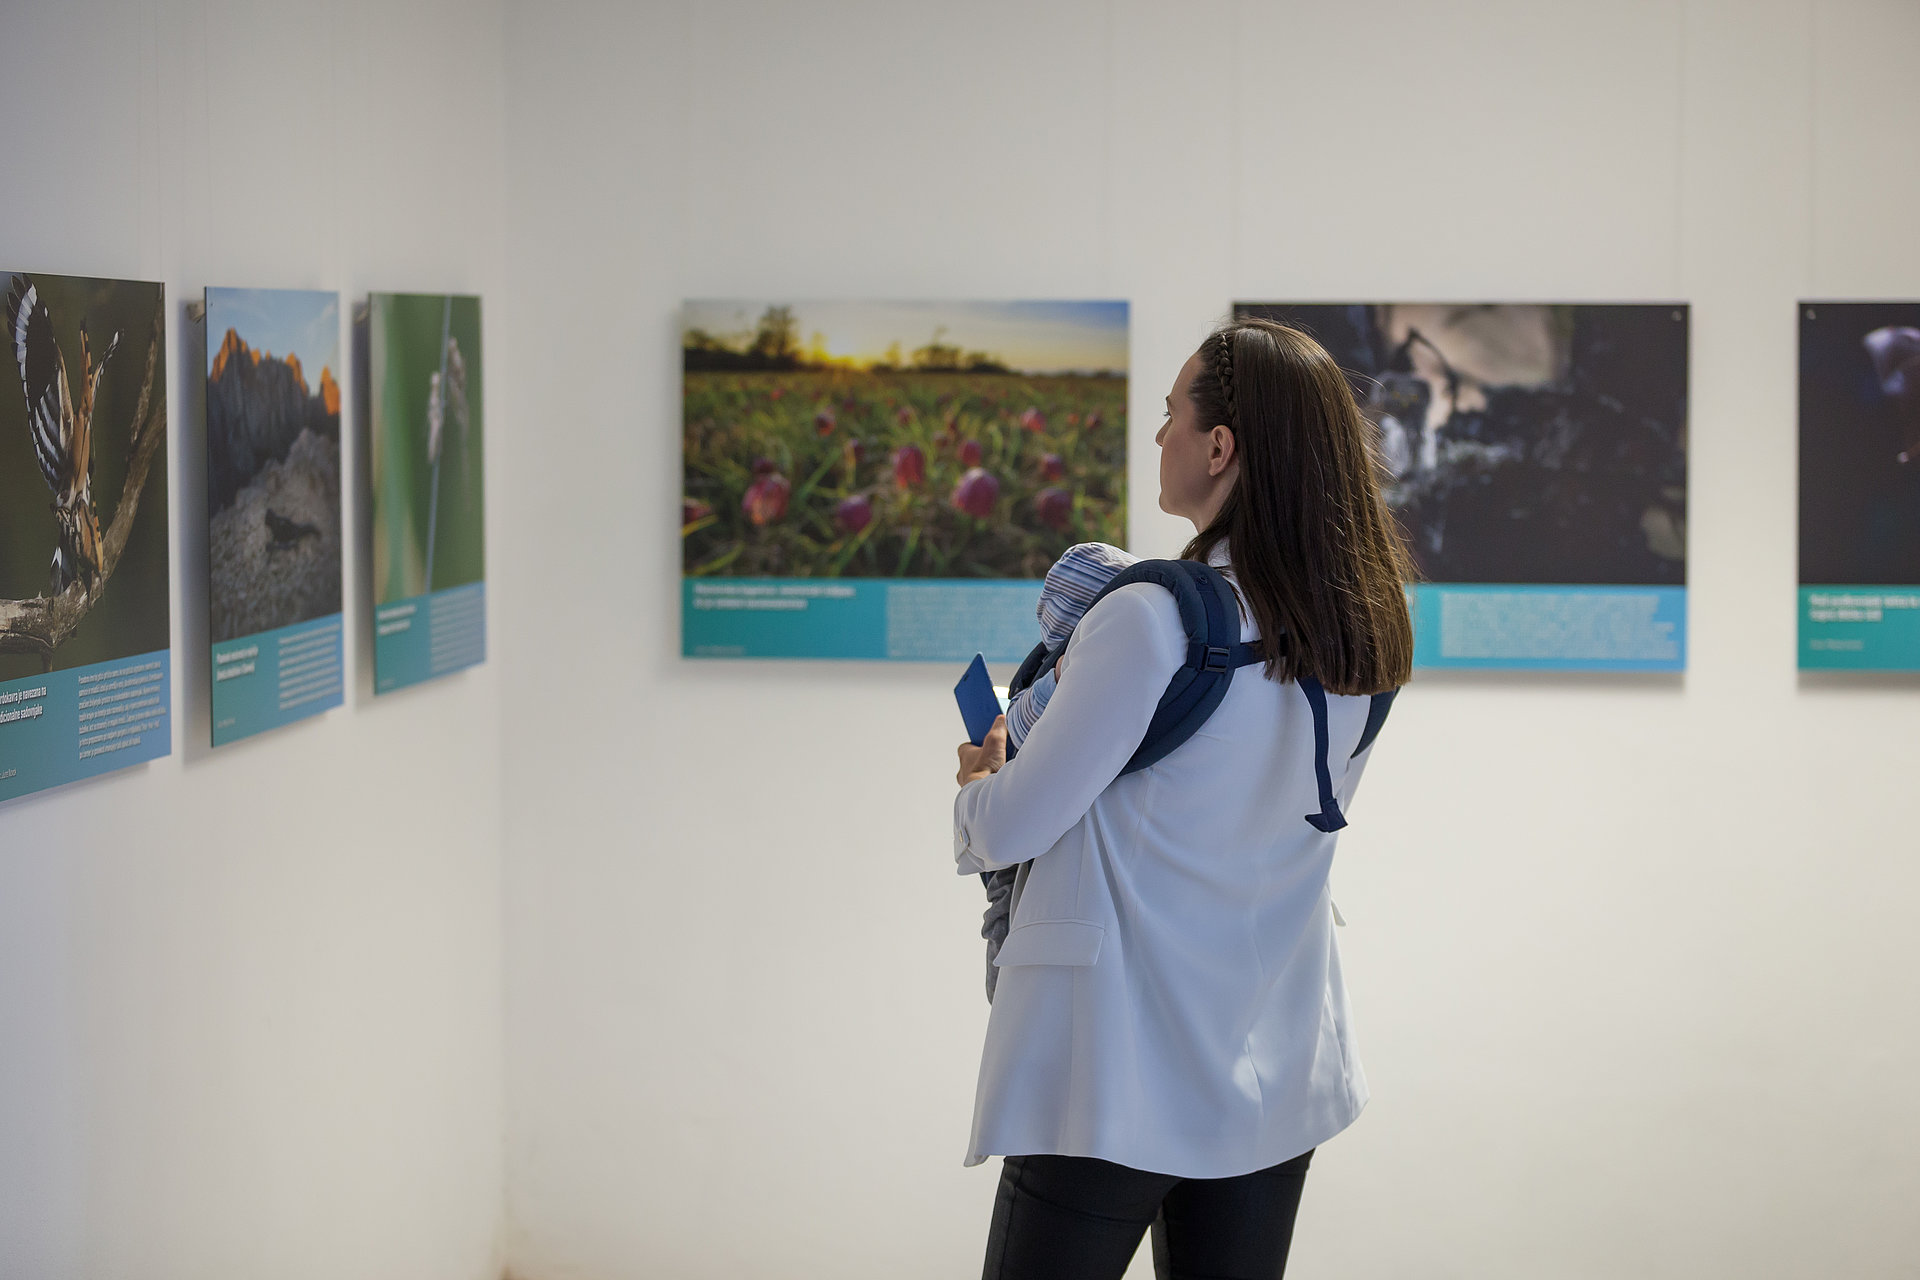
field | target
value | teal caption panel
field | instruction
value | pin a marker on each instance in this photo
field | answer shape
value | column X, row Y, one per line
column 1550, row 628
column 1860, row 628
column 428, row 636
column 263, row 681
column 67, row 725
column 877, row 619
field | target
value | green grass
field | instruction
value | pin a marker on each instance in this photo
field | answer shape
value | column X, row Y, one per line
column 732, row 419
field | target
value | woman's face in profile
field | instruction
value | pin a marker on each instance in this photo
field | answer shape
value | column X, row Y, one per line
column 1191, row 466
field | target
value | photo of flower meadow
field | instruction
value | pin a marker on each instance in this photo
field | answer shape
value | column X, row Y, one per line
column 901, row 440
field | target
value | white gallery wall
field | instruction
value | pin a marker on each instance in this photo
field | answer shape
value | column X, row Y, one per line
column 598, row 964
column 1632, row 958
column 250, row 1013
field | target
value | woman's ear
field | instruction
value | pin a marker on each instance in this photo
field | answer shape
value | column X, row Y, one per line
column 1221, row 450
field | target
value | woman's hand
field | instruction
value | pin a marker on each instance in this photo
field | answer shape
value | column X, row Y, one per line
column 978, row 762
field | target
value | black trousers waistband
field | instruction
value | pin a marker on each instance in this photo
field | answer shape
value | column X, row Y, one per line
column 1076, row 1218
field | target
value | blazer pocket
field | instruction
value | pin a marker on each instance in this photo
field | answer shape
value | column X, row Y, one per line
column 1074, row 942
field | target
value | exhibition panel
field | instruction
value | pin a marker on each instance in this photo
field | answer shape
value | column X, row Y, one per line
column 1860, row 486
column 1536, row 456
column 273, row 501
column 85, row 681
column 891, row 480
column 426, row 425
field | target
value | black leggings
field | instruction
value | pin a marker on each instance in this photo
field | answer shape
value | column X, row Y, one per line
column 1076, row 1218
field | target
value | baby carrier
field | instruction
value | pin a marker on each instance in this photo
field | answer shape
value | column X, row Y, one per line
column 1210, row 613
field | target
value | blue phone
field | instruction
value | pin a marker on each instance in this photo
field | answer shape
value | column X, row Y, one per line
column 979, row 704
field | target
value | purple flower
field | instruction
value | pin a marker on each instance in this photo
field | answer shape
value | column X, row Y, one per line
column 766, row 498
column 1054, row 507
column 976, row 493
column 853, row 514
column 909, row 466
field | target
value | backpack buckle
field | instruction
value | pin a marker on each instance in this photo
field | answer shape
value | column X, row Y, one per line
column 1217, row 659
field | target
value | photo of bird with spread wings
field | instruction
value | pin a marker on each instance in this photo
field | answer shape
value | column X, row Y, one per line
column 62, row 427
column 82, row 418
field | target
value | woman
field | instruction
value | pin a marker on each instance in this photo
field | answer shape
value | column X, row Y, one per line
column 1170, row 1034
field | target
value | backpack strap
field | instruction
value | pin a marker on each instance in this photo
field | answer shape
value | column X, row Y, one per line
column 1210, row 615
column 1329, row 818
column 1376, row 718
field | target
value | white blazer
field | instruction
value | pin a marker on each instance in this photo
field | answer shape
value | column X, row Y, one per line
column 1169, row 994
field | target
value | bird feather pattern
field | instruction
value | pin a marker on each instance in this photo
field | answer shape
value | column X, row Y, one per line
column 61, row 430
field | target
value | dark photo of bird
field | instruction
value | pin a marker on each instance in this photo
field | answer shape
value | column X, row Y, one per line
column 285, row 533
column 62, row 429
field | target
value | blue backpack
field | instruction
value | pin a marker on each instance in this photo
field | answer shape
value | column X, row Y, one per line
column 1210, row 612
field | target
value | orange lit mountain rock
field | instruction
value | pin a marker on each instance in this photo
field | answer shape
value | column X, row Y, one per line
column 258, row 406
column 230, row 346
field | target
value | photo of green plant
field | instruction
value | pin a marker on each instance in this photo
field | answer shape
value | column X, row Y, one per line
column 900, row 440
column 428, row 459
column 83, row 472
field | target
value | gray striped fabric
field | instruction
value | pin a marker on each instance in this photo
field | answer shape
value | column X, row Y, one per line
column 1079, row 575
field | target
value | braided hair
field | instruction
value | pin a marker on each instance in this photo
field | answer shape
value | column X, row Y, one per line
column 1223, row 372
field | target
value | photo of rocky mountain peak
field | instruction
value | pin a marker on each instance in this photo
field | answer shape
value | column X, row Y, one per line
column 273, row 459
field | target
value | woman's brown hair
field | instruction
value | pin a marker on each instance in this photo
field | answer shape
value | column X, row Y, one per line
column 1314, row 548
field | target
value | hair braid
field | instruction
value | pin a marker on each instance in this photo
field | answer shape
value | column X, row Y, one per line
column 1224, row 372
